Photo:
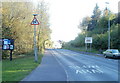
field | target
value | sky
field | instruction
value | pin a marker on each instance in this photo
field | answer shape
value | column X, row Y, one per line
column 65, row 15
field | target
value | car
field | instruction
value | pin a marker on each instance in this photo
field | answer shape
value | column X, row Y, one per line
column 111, row 53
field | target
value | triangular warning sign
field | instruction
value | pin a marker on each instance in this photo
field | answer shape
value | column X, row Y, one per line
column 34, row 21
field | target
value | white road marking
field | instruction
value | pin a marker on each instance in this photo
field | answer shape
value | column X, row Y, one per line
column 115, row 60
column 86, row 69
column 78, row 71
column 66, row 54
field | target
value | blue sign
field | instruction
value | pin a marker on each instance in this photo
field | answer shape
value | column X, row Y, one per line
column 8, row 44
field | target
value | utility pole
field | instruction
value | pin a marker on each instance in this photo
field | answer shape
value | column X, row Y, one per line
column 108, row 26
column 108, row 33
column 86, row 37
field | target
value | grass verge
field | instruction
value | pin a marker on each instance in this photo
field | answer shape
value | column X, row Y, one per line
column 82, row 49
column 20, row 67
column 0, row 71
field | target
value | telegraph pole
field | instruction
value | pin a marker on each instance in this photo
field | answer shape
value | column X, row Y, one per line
column 86, row 37
column 108, row 33
column 108, row 27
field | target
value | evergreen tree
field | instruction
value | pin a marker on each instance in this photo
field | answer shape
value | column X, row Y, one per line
column 95, row 18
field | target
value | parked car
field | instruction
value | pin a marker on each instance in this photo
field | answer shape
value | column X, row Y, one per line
column 111, row 53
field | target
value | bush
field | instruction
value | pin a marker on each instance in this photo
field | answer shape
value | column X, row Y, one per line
column 5, row 54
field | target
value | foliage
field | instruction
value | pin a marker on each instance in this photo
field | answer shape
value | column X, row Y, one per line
column 97, row 28
column 16, row 19
column 43, row 30
column 95, row 18
column 0, row 71
column 85, row 22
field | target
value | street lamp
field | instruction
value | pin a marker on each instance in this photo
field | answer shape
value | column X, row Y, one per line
column 108, row 26
column 86, row 37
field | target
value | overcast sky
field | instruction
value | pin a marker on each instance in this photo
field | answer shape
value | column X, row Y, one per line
column 65, row 15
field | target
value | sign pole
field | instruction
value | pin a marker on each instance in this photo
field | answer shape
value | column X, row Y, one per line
column 35, row 22
column 35, row 47
column 88, row 42
column 10, row 55
column 90, row 46
column 86, row 46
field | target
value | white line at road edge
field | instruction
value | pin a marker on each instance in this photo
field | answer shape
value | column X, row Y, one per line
column 53, row 53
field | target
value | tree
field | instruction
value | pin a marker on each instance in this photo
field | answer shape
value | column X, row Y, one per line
column 16, row 19
column 85, row 23
column 16, row 24
column 105, row 12
column 95, row 18
column 98, row 30
column 44, row 31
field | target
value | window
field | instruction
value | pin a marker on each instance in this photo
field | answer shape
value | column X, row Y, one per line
column 115, row 51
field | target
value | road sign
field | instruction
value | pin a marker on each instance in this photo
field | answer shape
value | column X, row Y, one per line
column 35, row 21
column 6, row 41
column 88, row 39
column 8, row 44
column 11, row 47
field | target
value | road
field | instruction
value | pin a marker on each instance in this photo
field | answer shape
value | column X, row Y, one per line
column 66, row 65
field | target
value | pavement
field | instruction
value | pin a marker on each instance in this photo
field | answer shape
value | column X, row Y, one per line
column 48, row 70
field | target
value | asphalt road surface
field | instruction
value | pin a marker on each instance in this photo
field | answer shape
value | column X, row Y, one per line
column 66, row 65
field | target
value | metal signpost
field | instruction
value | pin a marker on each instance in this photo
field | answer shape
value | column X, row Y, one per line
column 88, row 40
column 35, row 22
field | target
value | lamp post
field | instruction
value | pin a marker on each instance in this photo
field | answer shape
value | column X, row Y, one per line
column 108, row 27
column 86, row 37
